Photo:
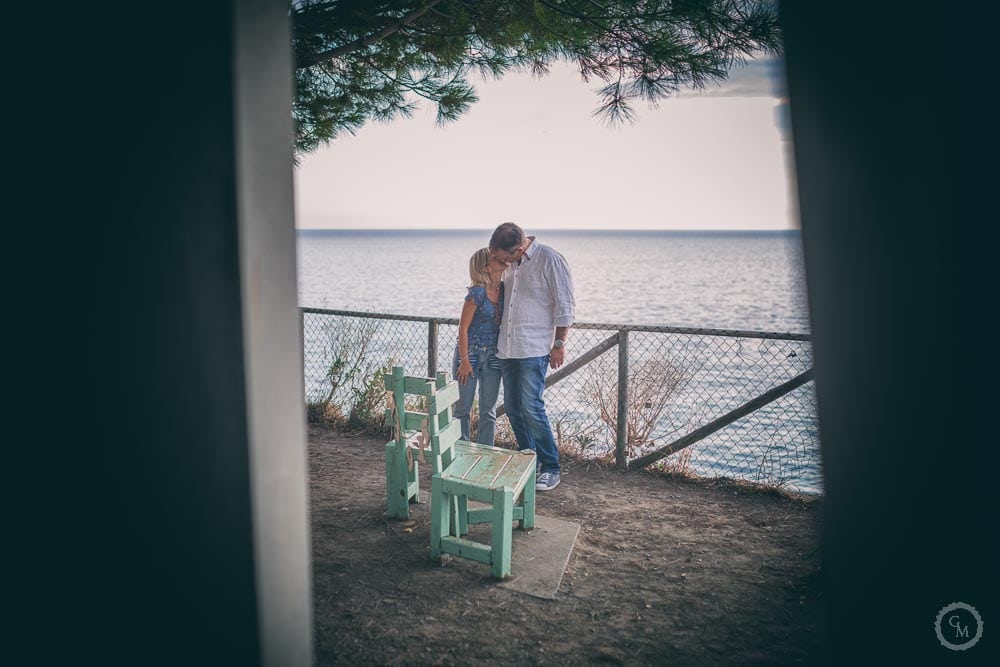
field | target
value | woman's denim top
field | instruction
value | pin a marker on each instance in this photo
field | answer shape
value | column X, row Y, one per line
column 485, row 327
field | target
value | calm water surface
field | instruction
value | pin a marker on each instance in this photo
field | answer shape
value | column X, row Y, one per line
column 736, row 280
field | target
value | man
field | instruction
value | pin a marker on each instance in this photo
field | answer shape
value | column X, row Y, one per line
column 537, row 313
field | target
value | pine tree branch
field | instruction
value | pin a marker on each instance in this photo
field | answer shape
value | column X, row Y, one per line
column 415, row 87
column 363, row 42
column 641, row 49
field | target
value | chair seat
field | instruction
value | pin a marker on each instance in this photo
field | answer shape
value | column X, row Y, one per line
column 490, row 468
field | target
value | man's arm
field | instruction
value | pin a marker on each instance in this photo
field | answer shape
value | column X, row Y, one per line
column 561, row 283
column 558, row 354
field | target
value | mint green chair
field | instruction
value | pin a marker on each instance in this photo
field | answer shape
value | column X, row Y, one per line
column 462, row 471
column 411, row 435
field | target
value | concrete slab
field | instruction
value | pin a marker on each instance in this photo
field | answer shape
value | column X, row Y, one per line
column 538, row 557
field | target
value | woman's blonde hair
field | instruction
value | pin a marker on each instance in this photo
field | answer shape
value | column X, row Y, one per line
column 477, row 267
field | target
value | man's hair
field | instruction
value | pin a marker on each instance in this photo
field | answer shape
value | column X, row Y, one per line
column 506, row 237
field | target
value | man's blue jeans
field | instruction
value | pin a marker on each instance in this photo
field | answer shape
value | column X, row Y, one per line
column 485, row 374
column 523, row 383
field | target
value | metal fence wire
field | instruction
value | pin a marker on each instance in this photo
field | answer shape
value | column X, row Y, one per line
column 700, row 402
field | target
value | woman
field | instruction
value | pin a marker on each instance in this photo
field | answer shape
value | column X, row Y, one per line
column 476, row 353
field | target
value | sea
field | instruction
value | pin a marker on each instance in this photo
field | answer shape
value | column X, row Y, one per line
column 738, row 280
column 747, row 280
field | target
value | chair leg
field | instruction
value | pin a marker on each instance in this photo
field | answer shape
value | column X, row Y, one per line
column 413, row 477
column 390, row 487
column 440, row 509
column 463, row 515
column 503, row 505
column 397, row 506
column 402, row 498
column 528, row 520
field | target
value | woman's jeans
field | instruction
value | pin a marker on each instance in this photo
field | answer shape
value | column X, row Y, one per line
column 485, row 374
column 523, row 383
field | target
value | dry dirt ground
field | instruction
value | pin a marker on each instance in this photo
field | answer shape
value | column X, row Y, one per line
column 664, row 571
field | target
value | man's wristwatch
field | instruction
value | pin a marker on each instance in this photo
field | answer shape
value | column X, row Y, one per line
column 559, row 343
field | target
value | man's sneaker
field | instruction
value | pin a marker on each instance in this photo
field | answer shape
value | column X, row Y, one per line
column 538, row 469
column 547, row 481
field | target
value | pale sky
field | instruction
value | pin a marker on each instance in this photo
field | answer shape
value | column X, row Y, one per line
column 531, row 152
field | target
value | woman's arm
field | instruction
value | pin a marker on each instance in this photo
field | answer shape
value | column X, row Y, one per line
column 464, row 365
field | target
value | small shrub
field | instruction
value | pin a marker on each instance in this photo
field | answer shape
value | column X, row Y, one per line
column 771, row 471
column 322, row 413
column 652, row 384
column 369, row 405
column 346, row 348
column 677, row 465
column 581, row 439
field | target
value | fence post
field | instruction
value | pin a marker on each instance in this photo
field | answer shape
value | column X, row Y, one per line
column 302, row 334
column 621, row 439
column 432, row 348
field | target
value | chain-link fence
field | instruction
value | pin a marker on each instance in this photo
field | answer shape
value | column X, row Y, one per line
column 733, row 404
